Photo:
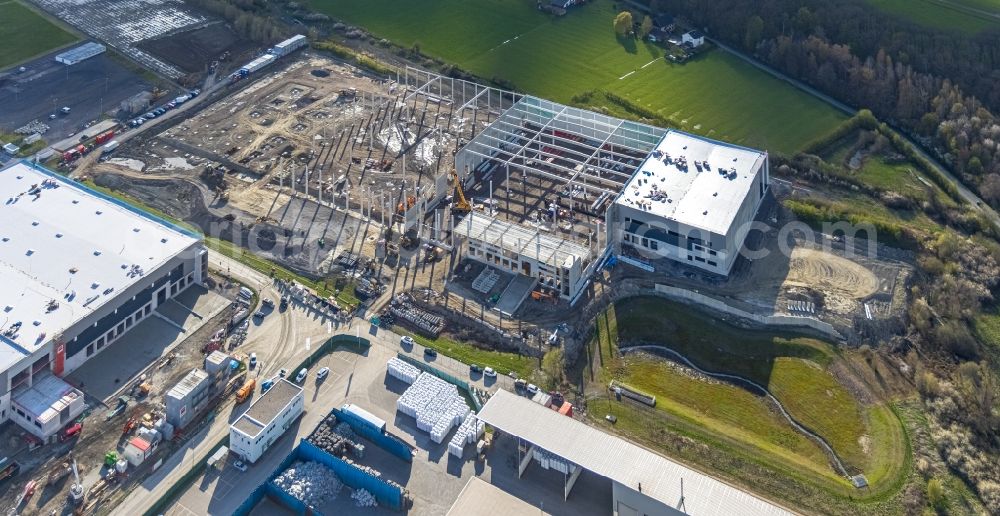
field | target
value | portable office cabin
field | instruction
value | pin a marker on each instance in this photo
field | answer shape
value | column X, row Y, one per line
column 185, row 398
column 290, row 45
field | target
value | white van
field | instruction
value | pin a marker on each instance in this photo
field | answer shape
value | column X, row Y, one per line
column 299, row 378
column 246, row 293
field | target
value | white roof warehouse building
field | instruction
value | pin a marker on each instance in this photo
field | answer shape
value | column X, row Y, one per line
column 78, row 269
column 692, row 201
column 643, row 483
column 266, row 420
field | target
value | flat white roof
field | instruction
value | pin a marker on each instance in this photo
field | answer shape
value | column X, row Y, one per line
column 46, row 398
column 65, row 251
column 676, row 184
column 620, row 460
column 526, row 241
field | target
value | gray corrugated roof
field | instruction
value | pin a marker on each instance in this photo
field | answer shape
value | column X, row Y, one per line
column 620, row 460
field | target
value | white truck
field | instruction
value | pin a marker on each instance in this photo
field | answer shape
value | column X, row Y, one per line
column 109, row 147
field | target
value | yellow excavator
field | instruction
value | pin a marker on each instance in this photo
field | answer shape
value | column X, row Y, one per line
column 460, row 204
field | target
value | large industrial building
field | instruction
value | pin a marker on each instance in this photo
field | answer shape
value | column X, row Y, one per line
column 79, row 269
column 691, row 200
column 583, row 185
column 643, row 483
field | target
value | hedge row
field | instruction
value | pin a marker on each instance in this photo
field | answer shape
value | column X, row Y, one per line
column 358, row 58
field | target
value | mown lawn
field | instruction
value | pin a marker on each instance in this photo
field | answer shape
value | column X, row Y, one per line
column 944, row 14
column 793, row 368
column 24, row 33
column 558, row 58
column 502, row 362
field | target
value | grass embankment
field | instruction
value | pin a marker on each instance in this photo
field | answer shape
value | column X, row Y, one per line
column 24, row 33
column 735, row 431
column 502, row 362
column 715, row 94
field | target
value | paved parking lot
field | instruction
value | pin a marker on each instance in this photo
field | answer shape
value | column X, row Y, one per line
column 434, row 479
column 88, row 88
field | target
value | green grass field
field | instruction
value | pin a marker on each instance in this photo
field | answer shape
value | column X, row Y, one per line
column 957, row 15
column 715, row 94
column 737, row 423
column 25, row 33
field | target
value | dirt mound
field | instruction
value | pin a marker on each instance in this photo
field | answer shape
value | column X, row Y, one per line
column 817, row 269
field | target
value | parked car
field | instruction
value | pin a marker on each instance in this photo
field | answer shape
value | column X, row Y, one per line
column 253, row 360
column 489, row 372
column 259, row 314
column 240, row 465
column 268, row 302
column 322, row 373
column 284, row 303
column 520, row 385
column 264, row 387
column 407, row 341
column 474, row 369
column 430, row 352
column 299, row 378
column 612, row 418
column 532, row 389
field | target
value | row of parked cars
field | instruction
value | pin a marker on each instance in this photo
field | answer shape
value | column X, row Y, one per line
column 136, row 122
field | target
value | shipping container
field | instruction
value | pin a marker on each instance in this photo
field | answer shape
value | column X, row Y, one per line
column 365, row 416
column 110, row 147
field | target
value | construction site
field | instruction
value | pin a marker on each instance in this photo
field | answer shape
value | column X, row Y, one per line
column 125, row 431
column 484, row 200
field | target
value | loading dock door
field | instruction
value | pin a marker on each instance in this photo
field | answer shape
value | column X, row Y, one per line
column 624, row 510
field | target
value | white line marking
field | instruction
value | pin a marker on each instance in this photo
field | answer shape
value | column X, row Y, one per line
column 626, row 75
column 649, row 63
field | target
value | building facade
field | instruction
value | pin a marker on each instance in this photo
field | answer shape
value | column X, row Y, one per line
column 266, row 420
column 692, row 201
column 80, row 270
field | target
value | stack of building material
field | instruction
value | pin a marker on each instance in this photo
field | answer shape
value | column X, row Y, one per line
column 403, row 371
column 435, row 404
column 468, row 432
column 550, row 460
column 362, row 498
column 310, row 482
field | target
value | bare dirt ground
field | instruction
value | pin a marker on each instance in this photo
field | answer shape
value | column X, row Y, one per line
column 194, row 51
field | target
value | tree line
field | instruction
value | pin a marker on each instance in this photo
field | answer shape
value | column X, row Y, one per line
column 940, row 86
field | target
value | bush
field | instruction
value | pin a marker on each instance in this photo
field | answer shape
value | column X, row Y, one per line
column 935, row 494
column 349, row 54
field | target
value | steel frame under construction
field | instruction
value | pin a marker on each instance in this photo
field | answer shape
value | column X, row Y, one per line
column 577, row 147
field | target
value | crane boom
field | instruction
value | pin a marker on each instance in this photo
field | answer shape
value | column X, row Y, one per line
column 462, row 204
